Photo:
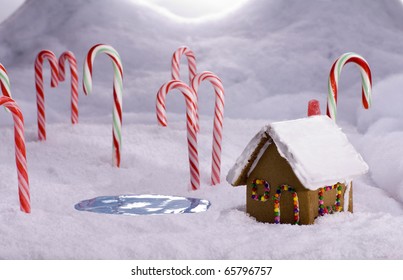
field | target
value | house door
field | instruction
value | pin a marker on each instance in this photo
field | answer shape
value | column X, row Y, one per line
column 286, row 205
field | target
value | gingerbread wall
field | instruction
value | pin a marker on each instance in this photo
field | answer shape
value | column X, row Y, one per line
column 276, row 171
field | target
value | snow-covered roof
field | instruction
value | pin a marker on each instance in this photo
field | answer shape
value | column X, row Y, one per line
column 315, row 147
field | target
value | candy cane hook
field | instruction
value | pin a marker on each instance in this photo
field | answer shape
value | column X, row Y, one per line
column 190, row 124
column 218, row 119
column 176, row 58
column 117, row 92
column 334, row 79
column 40, row 96
column 69, row 56
column 20, row 153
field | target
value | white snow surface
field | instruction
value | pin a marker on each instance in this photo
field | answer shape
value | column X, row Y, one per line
column 273, row 57
column 318, row 151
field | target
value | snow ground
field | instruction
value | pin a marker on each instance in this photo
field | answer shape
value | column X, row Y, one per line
column 271, row 63
column 155, row 161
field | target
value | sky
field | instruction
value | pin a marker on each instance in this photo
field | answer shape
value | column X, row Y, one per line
column 195, row 8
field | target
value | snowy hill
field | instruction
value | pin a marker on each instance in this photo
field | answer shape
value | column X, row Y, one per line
column 288, row 47
column 266, row 47
column 273, row 56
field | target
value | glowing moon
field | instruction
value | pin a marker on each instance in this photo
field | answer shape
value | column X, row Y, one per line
column 193, row 10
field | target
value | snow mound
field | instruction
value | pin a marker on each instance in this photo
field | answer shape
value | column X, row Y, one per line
column 264, row 49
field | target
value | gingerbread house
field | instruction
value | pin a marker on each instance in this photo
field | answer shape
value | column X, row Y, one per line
column 297, row 170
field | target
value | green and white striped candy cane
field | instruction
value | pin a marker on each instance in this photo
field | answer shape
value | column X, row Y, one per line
column 4, row 81
column 117, row 92
column 334, row 75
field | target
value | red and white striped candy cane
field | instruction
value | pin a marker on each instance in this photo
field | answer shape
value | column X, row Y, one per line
column 40, row 96
column 69, row 56
column 4, row 81
column 175, row 70
column 190, row 124
column 218, row 119
column 20, row 153
column 117, row 92
column 366, row 79
column 176, row 59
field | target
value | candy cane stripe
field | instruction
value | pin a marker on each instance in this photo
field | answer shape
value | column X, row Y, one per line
column 70, row 57
column 175, row 71
column 218, row 119
column 20, row 153
column 4, row 81
column 117, row 93
column 40, row 96
column 366, row 80
column 190, row 124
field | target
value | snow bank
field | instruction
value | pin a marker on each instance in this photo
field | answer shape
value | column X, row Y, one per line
column 383, row 135
column 268, row 53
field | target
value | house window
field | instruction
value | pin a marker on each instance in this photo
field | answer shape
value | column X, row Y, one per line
column 263, row 197
column 322, row 210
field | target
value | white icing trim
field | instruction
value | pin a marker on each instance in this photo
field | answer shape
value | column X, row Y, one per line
column 235, row 172
column 347, row 196
column 259, row 156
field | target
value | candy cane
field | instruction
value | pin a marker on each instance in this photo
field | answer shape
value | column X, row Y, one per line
column 40, row 96
column 20, row 153
column 190, row 124
column 175, row 70
column 69, row 56
column 176, row 58
column 334, row 79
column 4, row 81
column 117, row 92
column 218, row 119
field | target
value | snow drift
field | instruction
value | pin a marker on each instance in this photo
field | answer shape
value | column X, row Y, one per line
column 265, row 49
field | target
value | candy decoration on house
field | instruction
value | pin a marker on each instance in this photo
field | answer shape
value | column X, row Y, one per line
column 309, row 165
column 69, row 56
column 40, row 96
column 175, row 63
column 20, row 153
column 117, row 93
column 276, row 198
column 330, row 208
column 313, row 108
column 334, row 80
column 4, row 81
column 218, row 119
column 264, row 197
column 190, row 99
